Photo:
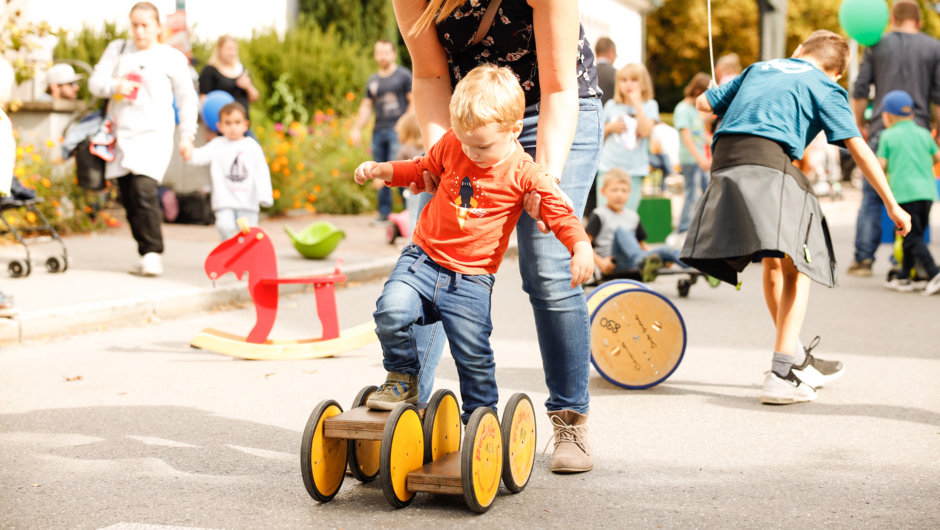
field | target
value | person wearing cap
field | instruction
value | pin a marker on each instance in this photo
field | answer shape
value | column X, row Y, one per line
column 63, row 83
column 908, row 153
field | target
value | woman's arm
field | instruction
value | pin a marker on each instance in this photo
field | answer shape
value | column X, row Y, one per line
column 187, row 100
column 430, row 77
column 102, row 83
column 557, row 26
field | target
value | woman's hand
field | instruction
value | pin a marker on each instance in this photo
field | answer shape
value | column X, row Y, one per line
column 532, row 202
column 186, row 148
column 244, row 82
column 125, row 86
column 582, row 263
column 430, row 184
column 901, row 219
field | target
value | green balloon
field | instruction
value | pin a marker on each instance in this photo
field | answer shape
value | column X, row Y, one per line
column 864, row 20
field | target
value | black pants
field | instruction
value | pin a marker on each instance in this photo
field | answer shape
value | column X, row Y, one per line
column 139, row 195
column 915, row 248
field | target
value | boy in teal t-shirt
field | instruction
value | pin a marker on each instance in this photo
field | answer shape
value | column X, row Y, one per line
column 907, row 151
column 695, row 165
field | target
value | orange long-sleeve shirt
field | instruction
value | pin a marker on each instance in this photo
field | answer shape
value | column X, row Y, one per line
column 467, row 224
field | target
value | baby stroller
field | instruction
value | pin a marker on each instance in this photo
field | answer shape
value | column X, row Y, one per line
column 24, row 198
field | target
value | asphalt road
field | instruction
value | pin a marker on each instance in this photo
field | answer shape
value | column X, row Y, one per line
column 156, row 433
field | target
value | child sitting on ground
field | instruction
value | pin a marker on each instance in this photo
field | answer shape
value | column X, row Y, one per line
column 908, row 152
column 618, row 235
column 759, row 207
column 240, row 176
column 447, row 274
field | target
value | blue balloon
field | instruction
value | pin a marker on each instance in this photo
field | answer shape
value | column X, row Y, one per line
column 215, row 100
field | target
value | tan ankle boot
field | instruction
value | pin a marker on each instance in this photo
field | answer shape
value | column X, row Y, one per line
column 573, row 453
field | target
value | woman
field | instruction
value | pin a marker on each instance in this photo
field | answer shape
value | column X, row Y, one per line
column 630, row 117
column 562, row 130
column 225, row 72
column 141, row 76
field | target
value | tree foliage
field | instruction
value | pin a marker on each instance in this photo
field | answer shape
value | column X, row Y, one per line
column 362, row 21
column 17, row 38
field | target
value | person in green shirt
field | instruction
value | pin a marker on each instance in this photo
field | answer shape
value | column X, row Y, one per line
column 907, row 151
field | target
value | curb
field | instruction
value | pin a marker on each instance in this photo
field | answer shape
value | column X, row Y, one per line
column 72, row 319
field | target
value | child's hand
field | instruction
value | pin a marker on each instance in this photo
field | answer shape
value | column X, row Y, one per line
column 606, row 265
column 901, row 219
column 366, row 171
column 582, row 263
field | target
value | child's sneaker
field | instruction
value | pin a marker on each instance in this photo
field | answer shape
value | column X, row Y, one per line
column 397, row 389
column 785, row 390
column 933, row 286
column 818, row 372
column 650, row 266
column 901, row 285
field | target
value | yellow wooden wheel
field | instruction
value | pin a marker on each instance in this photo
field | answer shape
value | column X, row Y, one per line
column 441, row 426
column 322, row 459
column 638, row 337
column 481, row 460
column 518, row 430
column 364, row 454
column 401, row 453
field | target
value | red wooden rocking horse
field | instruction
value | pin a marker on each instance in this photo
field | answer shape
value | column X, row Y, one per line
column 251, row 252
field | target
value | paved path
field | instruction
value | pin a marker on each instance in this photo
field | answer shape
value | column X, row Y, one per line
column 157, row 433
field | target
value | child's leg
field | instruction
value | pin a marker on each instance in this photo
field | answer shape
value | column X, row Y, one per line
column 225, row 223
column 773, row 285
column 791, row 305
column 669, row 255
column 627, row 250
column 251, row 216
column 464, row 307
column 915, row 248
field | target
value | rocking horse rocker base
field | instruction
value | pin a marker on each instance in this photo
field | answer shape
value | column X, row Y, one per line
column 252, row 252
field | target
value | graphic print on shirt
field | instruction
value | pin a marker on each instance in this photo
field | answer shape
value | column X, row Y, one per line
column 465, row 201
column 237, row 172
column 787, row 67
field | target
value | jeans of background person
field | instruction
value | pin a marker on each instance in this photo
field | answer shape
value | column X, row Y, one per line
column 915, row 248
column 139, row 197
column 413, row 205
column 661, row 162
column 868, row 226
column 226, row 221
column 561, row 316
column 385, row 147
column 421, row 292
column 695, row 180
column 628, row 254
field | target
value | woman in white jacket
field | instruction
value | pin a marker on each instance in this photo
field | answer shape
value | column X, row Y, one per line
column 141, row 76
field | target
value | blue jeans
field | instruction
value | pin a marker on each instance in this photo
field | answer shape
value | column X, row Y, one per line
column 420, row 292
column 695, row 180
column 628, row 254
column 385, row 147
column 661, row 162
column 561, row 315
column 868, row 227
column 225, row 221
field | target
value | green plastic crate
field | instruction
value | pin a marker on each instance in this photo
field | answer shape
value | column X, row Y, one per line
column 656, row 215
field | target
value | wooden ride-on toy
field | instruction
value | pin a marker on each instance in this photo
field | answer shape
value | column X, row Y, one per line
column 251, row 252
column 417, row 448
column 638, row 337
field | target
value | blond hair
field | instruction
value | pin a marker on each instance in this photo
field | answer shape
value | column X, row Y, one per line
column 640, row 73
column 409, row 131
column 215, row 60
column 616, row 175
column 729, row 62
column 829, row 49
column 488, row 94
column 436, row 12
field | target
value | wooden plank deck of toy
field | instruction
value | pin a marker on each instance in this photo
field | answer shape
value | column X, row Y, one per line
column 441, row 476
column 361, row 423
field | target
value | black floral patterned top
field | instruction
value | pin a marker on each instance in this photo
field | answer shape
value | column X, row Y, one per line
column 509, row 42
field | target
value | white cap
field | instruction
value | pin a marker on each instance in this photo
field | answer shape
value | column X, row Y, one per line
column 62, row 74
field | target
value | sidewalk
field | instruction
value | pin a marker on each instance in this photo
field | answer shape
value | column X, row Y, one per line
column 98, row 291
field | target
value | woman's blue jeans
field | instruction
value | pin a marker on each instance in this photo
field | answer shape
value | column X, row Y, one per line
column 695, row 179
column 561, row 315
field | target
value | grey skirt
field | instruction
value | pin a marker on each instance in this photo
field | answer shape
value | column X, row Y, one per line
column 758, row 205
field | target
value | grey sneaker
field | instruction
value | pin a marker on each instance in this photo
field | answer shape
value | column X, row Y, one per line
column 933, row 286
column 785, row 390
column 861, row 268
column 397, row 389
column 901, row 285
column 818, row 372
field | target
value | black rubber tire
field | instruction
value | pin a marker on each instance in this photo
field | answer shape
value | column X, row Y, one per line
column 55, row 264
column 506, row 428
column 305, row 457
column 466, row 459
column 429, row 414
column 684, row 286
column 16, row 269
column 385, row 458
column 352, row 456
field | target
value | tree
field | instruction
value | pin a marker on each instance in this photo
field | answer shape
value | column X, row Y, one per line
column 362, row 21
column 19, row 37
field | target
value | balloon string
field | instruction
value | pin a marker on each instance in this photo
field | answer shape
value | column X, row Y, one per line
column 711, row 49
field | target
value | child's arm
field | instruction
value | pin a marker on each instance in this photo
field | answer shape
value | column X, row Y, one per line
column 373, row 170
column 202, row 156
column 936, row 157
column 870, row 167
column 567, row 228
column 263, row 189
column 686, row 135
column 702, row 104
column 405, row 173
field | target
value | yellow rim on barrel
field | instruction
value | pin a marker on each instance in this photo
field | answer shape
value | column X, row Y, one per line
column 407, row 452
column 522, row 442
column 327, row 457
column 638, row 337
column 487, row 468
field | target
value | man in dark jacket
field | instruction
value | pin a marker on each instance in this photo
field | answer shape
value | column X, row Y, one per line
column 605, row 53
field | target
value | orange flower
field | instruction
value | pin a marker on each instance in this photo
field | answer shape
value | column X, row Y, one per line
column 286, row 172
column 104, row 215
column 296, row 204
column 316, row 189
column 277, row 194
column 335, row 172
column 300, row 166
column 302, row 179
column 309, row 207
column 46, row 183
column 330, row 112
column 19, row 153
column 88, row 209
column 55, row 204
column 31, row 217
column 275, row 167
column 350, row 96
column 311, row 198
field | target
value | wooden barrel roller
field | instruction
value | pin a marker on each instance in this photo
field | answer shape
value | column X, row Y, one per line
column 638, row 337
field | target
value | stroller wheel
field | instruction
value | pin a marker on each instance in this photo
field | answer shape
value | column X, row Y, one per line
column 55, row 264
column 17, row 269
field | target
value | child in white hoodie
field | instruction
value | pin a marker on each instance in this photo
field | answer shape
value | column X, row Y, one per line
column 241, row 180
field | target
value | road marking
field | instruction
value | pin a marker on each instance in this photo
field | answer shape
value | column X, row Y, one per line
column 138, row 526
column 150, row 440
column 263, row 453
